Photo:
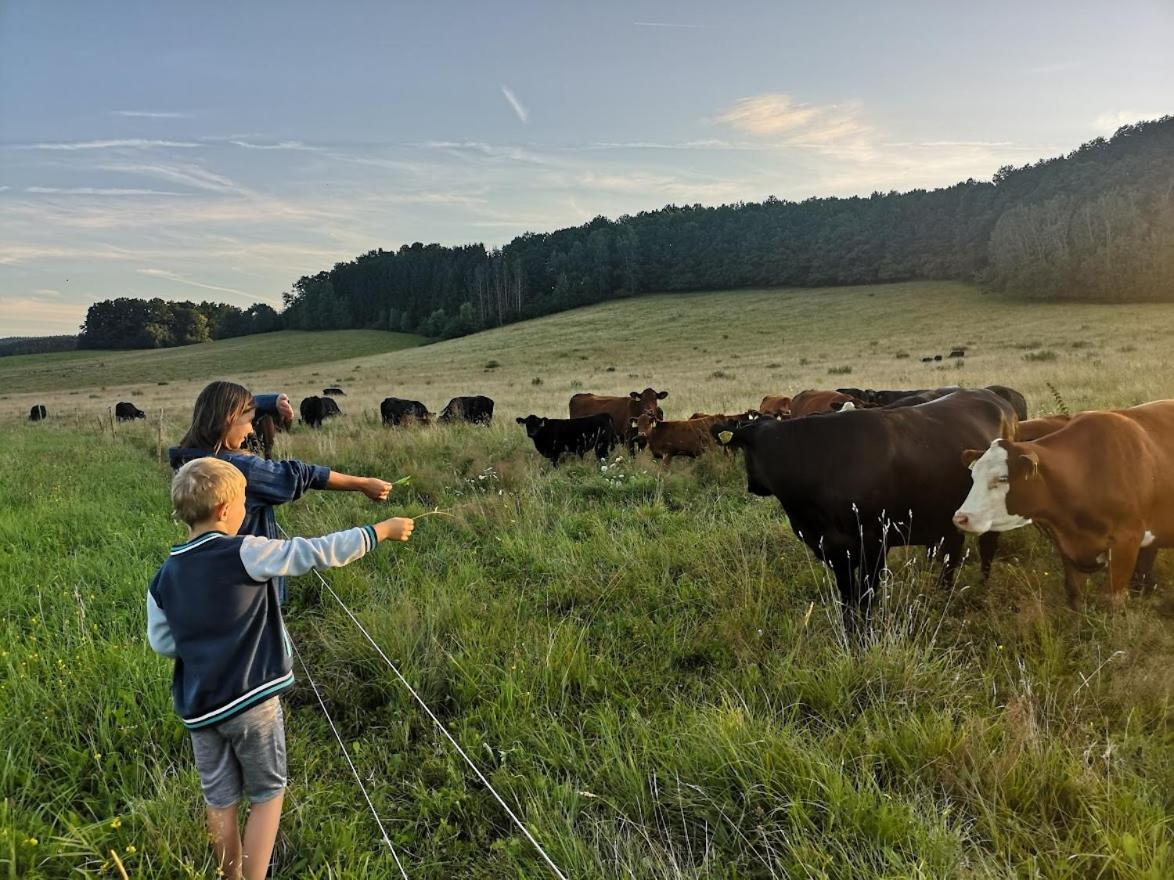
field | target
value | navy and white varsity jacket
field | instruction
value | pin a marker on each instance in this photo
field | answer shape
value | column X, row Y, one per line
column 213, row 607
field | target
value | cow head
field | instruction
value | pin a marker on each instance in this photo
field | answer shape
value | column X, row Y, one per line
column 645, row 401
column 643, row 426
column 533, row 424
column 994, row 472
column 743, row 436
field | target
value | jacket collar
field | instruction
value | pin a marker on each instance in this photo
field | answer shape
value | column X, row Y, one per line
column 198, row 541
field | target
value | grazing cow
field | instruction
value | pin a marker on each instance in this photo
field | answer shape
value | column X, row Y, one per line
column 621, row 409
column 127, row 412
column 554, row 438
column 330, row 407
column 333, row 390
column 775, row 405
column 957, row 353
column 266, row 427
column 477, row 409
column 856, row 483
column 809, row 402
column 666, row 439
column 38, row 413
column 395, row 410
column 313, row 411
column 1101, row 487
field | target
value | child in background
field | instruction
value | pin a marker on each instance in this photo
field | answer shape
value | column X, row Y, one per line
column 221, row 420
column 213, row 607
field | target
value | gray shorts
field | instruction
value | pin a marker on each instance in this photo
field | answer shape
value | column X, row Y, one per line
column 242, row 755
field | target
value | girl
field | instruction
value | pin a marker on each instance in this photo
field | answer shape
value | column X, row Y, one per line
column 221, row 420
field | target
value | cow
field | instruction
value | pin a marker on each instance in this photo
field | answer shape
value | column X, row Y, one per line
column 621, row 409
column 914, row 396
column 333, row 390
column 808, row 402
column 128, row 412
column 665, row 439
column 313, row 411
column 554, row 438
column 1100, row 487
column 395, row 410
column 957, row 353
column 330, row 407
column 853, row 484
column 38, row 413
column 775, row 405
column 477, row 409
column 266, row 427
column 1033, row 429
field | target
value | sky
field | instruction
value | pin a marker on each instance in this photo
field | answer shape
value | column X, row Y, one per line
column 221, row 150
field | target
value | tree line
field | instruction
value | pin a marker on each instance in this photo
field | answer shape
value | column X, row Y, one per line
column 1095, row 224
column 157, row 323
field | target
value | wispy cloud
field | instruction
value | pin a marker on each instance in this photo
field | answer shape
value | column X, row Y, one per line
column 1112, row 120
column 770, row 114
column 835, row 129
column 1044, row 69
column 515, row 103
column 951, row 144
column 667, row 24
column 124, row 143
column 96, row 191
column 194, row 176
column 16, row 311
column 150, row 114
column 280, row 145
column 179, row 279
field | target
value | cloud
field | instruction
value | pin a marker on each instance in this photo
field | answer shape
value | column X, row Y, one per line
column 97, row 191
column 666, row 24
column 129, row 143
column 194, row 176
column 952, row 144
column 1112, row 120
column 281, row 145
column 515, row 103
column 834, row 129
column 179, row 279
column 150, row 114
column 27, row 310
column 770, row 114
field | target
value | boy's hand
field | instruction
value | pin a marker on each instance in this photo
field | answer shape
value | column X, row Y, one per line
column 398, row 528
column 375, row 488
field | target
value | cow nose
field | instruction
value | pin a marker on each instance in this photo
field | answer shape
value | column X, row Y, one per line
column 961, row 519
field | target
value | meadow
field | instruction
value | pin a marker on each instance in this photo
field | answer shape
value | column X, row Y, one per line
column 648, row 666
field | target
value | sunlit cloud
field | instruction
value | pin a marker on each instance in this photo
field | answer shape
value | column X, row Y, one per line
column 97, row 191
column 770, row 114
column 515, row 103
column 125, row 143
column 667, row 24
column 18, row 312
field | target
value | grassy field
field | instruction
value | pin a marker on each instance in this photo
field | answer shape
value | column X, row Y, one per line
column 647, row 665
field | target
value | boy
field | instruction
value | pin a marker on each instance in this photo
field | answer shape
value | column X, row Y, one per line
column 214, row 608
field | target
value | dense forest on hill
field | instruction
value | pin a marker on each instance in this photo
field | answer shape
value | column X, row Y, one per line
column 11, row 345
column 156, row 323
column 1096, row 224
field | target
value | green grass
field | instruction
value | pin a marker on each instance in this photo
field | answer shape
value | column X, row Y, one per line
column 289, row 348
column 648, row 666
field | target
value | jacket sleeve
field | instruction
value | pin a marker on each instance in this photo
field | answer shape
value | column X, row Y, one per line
column 158, row 630
column 266, row 558
column 277, row 482
column 266, row 403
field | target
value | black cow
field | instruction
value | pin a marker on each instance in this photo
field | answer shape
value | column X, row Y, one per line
column 854, row 484
column 477, row 409
column 128, row 412
column 915, row 396
column 266, row 427
column 332, row 390
column 957, row 353
column 395, row 410
column 554, row 438
column 315, row 409
column 38, row 413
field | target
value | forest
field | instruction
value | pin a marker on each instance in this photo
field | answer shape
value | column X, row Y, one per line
column 1096, row 225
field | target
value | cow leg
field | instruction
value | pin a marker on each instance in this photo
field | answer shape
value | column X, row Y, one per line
column 872, row 569
column 950, row 548
column 1074, row 580
column 844, row 568
column 1143, row 572
column 1122, row 561
column 988, row 543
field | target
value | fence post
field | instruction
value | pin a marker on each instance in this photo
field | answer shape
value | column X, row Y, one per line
column 159, row 438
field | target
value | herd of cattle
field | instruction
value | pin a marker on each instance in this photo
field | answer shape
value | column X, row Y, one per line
column 859, row 471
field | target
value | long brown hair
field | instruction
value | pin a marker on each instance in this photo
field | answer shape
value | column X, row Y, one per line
column 217, row 407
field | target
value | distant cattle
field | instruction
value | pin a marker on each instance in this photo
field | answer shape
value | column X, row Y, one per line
column 666, row 439
column 914, row 396
column 554, row 438
column 332, row 390
column 398, row 410
column 775, row 405
column 476, row 408
column 621, row 409
column 810, row 402
column 856, row 483
column 266, row 427
column 927, row 360
column 128, row 412
column 1101, row 487
column 957, row 353
column 38, row 413
column 314, row 409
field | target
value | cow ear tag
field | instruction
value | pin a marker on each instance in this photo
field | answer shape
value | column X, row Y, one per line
column 725, row 437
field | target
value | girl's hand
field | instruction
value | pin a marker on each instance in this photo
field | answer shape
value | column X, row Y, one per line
column 375, row 488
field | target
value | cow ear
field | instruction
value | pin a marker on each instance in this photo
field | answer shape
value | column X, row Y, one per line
column 1027, row 465
column 661, row 395
column 753, row 415
column 635, row 395
column 635, row 423
column 970, row 456
column 520, row 420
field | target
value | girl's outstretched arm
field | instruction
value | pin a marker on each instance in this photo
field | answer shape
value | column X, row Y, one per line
column 373, row 487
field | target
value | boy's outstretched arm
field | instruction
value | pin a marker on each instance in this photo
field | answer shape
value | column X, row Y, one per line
column 266, row 558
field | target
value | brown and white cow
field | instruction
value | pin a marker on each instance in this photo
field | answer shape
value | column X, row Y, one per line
column 621, row 409
column 665, row 439
column 1101, row 487
column 775, row 405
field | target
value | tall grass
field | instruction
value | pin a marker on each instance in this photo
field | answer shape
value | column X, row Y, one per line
column 647, row 665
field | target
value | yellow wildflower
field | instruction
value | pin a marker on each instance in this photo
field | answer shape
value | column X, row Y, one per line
column 117, row 823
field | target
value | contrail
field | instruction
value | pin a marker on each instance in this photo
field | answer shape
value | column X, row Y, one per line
column 515, row 103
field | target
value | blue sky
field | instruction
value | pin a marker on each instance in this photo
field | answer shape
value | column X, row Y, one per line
column 221, row 150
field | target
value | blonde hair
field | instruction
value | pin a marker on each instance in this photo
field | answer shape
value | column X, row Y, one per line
column 201, row 484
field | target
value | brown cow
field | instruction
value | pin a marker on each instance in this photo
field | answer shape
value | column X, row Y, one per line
column 713, row 418
column 1033, row 429
column 1101, row 487
column 621, row 409
column 665, row 439
column 775, row 405
column 810, row 402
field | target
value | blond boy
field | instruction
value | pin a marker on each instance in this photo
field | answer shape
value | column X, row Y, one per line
column 214, row 608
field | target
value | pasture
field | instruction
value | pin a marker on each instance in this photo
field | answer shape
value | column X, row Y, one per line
column 647, row 665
